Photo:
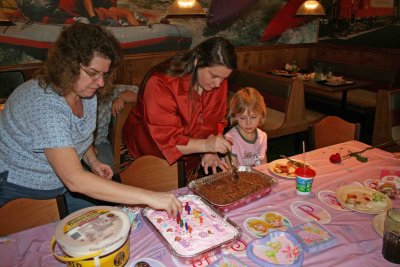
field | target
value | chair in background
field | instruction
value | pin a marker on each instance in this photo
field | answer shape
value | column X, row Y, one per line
column 24, row 213
column 332, row 130
column 9, row 80
column 387, row 119
column 148, row 172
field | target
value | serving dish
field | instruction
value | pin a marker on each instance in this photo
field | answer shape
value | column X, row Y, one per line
column 226, row 195
column 198, row 232
column 284, row 163
column 361, row 199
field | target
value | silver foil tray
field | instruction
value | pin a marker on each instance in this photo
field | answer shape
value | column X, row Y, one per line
column 233, row 203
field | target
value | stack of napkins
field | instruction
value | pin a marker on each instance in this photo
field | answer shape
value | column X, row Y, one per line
column 313, row 237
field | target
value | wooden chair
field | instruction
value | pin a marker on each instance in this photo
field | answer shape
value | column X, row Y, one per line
column 387, row 118
column 332, row 130
column 23, row 213
column 148, row 172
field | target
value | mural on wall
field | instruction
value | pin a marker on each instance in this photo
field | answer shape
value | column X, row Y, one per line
column 372, row 23
column 37, row 24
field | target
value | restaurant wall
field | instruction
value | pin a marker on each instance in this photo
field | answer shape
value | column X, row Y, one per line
column 247, row 23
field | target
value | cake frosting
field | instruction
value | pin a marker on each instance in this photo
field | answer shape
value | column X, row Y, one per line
column 198, row 229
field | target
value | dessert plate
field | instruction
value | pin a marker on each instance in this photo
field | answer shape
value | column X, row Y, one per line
column 361, row 199
column 283, row 168
column 276, row 249
column 308, row 211
column 378, row 223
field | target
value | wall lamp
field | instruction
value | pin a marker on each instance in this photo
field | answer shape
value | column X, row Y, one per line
column 310, row 8
column 185, row 8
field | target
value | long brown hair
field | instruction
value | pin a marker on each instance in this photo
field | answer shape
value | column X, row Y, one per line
column 211, row 52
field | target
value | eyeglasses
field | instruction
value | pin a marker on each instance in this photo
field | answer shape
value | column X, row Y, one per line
column 95, row 75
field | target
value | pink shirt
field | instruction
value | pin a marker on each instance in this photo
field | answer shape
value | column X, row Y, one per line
column 248, row 152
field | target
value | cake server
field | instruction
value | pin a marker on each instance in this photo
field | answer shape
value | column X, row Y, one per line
column 235, row 176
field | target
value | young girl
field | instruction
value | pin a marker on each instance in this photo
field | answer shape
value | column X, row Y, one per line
column 247, row 111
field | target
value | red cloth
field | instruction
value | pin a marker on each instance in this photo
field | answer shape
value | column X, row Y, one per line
column 163, row 117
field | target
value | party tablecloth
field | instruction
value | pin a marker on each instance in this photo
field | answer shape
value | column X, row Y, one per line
column 358, row 244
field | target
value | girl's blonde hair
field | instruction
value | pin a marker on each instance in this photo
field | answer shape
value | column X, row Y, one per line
column 247, row 98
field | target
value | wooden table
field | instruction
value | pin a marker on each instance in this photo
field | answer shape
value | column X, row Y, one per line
column 358, row 243
column 317, row 86
column 311, row 85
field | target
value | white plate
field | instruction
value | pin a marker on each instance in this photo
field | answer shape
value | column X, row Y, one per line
column 363, row 194
column 272, row 164
column 378, row 223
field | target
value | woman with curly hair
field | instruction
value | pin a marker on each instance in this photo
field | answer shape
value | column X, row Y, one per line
column 181, row 108
column 46, row 128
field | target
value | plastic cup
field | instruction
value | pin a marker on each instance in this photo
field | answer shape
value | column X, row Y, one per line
column 304, row 180
column 391, row 236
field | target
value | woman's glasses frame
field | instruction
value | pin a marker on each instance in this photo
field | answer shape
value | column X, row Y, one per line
column 95, row 75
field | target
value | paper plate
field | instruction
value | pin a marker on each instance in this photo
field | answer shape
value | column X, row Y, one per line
column 276, row 249
column 142, row 263
column 378, row 223
column 363, row 196
column 289, row 174
column 266, row 223
column 328, row 198
column 308, row 211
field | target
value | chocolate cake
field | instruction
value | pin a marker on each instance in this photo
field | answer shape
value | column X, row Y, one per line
column 225, row 190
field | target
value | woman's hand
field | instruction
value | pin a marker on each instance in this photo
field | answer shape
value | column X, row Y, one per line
column 213, row 161
column 101, row 169
column 217, row 144
column 165, row 201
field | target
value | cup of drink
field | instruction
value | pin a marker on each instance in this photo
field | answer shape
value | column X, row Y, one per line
column 304, row 179
column 391, row 236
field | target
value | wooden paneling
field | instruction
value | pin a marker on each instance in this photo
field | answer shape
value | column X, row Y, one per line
column 135, row 66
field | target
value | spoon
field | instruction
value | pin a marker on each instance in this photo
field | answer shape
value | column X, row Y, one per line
column 294, row 162
column 235, row 176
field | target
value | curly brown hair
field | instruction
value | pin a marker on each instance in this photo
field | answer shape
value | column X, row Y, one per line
column 76, row 45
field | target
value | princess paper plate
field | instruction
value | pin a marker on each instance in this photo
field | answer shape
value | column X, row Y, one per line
column 276, row 249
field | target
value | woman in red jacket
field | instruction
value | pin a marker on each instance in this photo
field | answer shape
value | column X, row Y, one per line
column 181, row 108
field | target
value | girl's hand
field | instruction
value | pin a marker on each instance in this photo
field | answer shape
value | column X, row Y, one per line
column 101, row 169
column 217, row 144
column 213, row 161
column 117, row 105
column 167, row 202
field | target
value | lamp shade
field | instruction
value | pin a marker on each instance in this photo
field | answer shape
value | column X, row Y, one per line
column 310, row 8
column 185, row 8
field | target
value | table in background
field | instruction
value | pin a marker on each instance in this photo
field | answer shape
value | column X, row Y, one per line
column 311, row 85
column 358, row 243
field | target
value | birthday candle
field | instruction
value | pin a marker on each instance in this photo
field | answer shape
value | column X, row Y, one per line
column 188, row 209
column 186, row 226
column 178, row 218
column 181, row 223
column 190, row 229
column 201, row 220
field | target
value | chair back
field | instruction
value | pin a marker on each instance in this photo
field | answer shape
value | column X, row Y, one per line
column 117, row 123
column 332, row 130
column 24, row 213
column 387, row 117
column 152, row 173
